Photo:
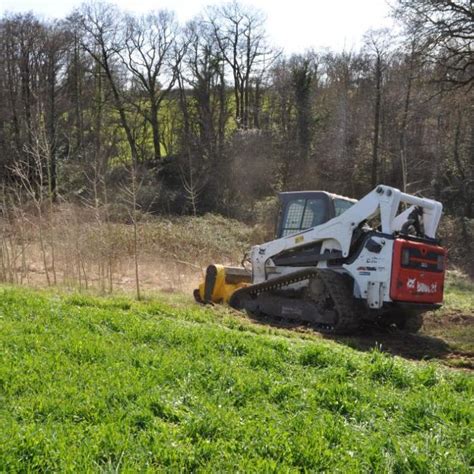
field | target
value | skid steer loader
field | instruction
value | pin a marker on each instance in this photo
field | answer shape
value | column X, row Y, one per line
column 337, row 262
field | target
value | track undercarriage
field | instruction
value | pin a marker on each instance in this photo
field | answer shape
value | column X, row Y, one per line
column 325, row 303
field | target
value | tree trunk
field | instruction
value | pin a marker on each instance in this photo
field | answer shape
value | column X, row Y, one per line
column 77, row 97
column 403, row 126
column 52, row 172
column 26, row 92
column 120, row 108
column 155, row 128
column 378, row 96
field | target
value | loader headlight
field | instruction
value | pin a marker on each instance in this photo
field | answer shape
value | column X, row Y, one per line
column 440, row 262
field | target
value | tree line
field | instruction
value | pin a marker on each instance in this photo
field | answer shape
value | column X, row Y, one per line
column 211, row 117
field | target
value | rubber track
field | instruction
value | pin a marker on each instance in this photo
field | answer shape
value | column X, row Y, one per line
column 341, row 295
column 274, row 284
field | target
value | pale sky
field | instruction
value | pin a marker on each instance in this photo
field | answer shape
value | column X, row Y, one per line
column 294, row 25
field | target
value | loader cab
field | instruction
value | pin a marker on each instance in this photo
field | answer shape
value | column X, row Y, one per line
column 301, row 210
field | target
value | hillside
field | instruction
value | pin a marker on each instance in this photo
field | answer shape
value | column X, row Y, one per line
column 113, row 384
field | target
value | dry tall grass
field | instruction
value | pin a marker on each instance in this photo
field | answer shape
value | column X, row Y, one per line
column 78, row 247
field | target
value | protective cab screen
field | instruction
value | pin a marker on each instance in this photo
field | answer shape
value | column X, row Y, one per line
column 301, row 214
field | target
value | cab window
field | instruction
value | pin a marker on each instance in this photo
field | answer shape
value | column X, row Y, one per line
column 341, row 205
column 301, row 214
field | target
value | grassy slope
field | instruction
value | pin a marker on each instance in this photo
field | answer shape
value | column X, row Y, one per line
column 454, row 323
column 88, row 383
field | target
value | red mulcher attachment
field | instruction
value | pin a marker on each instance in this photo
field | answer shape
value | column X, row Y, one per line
column 417, row 272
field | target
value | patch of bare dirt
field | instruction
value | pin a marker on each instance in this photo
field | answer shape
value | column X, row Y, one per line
column 447, row 318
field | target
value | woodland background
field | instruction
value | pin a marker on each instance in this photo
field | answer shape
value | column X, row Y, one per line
column 110, row 118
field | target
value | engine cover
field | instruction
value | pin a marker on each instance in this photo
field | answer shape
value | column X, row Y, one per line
column 418, row 270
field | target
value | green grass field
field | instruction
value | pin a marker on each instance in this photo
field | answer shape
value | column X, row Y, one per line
column 103, row 384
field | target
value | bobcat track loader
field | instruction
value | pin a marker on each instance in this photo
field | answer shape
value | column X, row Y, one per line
column 337, row 262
